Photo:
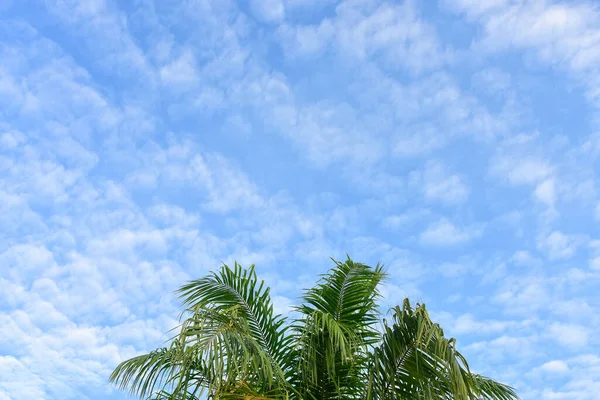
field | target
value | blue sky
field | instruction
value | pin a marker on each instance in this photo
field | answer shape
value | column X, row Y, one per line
column 144, row 142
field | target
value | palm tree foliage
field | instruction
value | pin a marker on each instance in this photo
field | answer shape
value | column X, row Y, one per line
column 231, row 345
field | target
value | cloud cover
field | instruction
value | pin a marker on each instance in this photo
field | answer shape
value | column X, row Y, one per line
column 143, row 143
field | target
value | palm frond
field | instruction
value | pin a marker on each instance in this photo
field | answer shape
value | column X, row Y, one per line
column 416, row 361
column 402, row 365
column 145, row 375
column 239, row 287
column 229, row 335
column 142, row 374
column 231, row 345
column 487, row 389
column 335, row 329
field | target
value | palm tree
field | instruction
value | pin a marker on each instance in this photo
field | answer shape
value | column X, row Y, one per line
column 231, row 345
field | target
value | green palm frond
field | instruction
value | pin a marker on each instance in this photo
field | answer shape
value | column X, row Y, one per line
column 231, row 335
column 487, row 389
column 231, row 345
column 335, row 330
column 142, row 374
column 416, row 361
column 404, row 365
column 239, row 287
column 145, row 375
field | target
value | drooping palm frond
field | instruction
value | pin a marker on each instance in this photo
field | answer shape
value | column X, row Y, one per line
column 230, row 339
column 239, row 287
column 335, row 330
column 402, row 367
column 487, row 389
column 141, row 375
column 416, row 361
column 147, row 375
column 167, row 395
column 230, row 345
column 230, row 354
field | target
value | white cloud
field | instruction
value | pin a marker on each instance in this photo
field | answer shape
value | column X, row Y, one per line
column 573, row 309
column 475, row 7
column 181, row 71
column 504, row 348
column 468, row 324
column 396, row 221
column 224, row 185
column 333, row 133
column 307, row 40
column 522, row 295
column 270, row 11
column 569, row 335
column 173, row 215
column 524, row 258
column 393, row 294
column 557, row 245
column 410, row 119
column 565, row 34
column 407, row 219
column 445, row 233
column 209, row 99
column 106, row 36
column 11, row 140
column 393, row 35
column 22, row 260
column 545, row 192
column 125, row 241
column 61, row 350
column 282, row 305
column 492, row 81
column 454, row 298
column 454, row 269
column 422, row 141
column 438, row 185
column 19, row 381
column 519, row 171
column 556, row 367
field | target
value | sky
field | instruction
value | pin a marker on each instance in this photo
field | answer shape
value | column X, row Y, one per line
column 145, row 142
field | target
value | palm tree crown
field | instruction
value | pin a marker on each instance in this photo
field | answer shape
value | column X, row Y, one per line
column 231, row 345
